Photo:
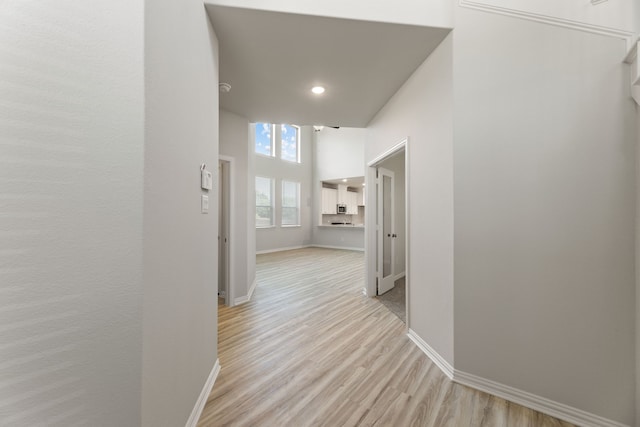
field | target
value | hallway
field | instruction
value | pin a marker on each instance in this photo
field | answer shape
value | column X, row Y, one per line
column 311, row 349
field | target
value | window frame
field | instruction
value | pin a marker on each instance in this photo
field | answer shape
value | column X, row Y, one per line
column 273, row 140
column 284, row 207
column 279, row 137
column 271, row 200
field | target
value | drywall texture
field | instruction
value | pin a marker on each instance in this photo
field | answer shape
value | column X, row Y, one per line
column 435, row 13
column 421, row 110
column 180, row 243
column 337, row 153
column 544, row 204
column 71, row 161
column 278, row 237
column 234, row 142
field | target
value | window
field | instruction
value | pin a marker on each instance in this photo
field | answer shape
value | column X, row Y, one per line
column 289, row 140
column 290, row 203
column 264, row 139
column 264, row 202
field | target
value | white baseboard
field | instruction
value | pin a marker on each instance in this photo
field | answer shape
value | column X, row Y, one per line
column 538, row 403
column 290, row 248
column 440, row 362
column 252, row 288
column 246, row 298
column 399, row 276
column 529, row 400
column 338, row 247
column 204, row 395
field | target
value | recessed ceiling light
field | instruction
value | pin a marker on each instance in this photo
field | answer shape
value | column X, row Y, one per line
column 317, row 90
column 344, row 180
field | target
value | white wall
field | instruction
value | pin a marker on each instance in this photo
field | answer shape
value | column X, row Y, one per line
column 421, row 110
column 180, row 243
column 435, row 13
column 71, row 162
column 347, row 238
column 269, row 239
column 396, row 165
column 338, row 153
column 234, row 142
column 544, row 205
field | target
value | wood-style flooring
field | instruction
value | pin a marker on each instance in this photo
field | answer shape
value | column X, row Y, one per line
column 310, row 349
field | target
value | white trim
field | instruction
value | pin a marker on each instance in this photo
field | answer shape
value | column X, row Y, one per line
column 388, row 153
column 290, row 248
column 632, row 52
column 252, row 288
column 370, row 236
column 627, row 36
column 246, row 298
column 440, row 362
column 538, row 403
column 337, row 247
column 204, row 395
column 399, row 276
column 407, row 232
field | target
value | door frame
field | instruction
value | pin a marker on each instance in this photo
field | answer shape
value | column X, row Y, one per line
column 370, row 243
column 230, row 187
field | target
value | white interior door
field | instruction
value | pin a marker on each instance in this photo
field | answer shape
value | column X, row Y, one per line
column 386, row 232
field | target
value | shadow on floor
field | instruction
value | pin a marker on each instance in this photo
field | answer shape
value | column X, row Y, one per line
column 394, row 300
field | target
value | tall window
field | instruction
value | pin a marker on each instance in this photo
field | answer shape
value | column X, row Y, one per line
column 264, row 139
column 290, row 143
column 264, row 202
column 290, row 203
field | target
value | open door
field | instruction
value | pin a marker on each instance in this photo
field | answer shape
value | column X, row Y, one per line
column 386, row 234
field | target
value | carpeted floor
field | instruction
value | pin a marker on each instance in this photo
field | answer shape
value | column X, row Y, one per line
column 394, row 300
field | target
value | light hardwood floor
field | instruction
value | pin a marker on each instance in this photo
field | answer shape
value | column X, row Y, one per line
column 311, row 350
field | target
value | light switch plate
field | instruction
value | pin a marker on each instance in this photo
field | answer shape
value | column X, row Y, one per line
column 206, row 180
column 205, row 204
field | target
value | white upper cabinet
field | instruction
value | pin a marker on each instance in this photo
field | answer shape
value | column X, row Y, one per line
column 352, row 203
column 329, row 201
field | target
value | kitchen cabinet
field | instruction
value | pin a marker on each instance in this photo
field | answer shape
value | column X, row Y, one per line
column 361, row 198
column 352, row 203
column 329, row 201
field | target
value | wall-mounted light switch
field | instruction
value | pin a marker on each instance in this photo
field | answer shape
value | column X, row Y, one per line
column 204, row 204
column 206, row 180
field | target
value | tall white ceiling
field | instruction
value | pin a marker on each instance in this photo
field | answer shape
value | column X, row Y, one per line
column 272, row 59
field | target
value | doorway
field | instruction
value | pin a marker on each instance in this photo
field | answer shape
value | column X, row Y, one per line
column 224, row 230
column 387, row 234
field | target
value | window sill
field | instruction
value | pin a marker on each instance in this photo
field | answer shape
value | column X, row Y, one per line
column 291, row 226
